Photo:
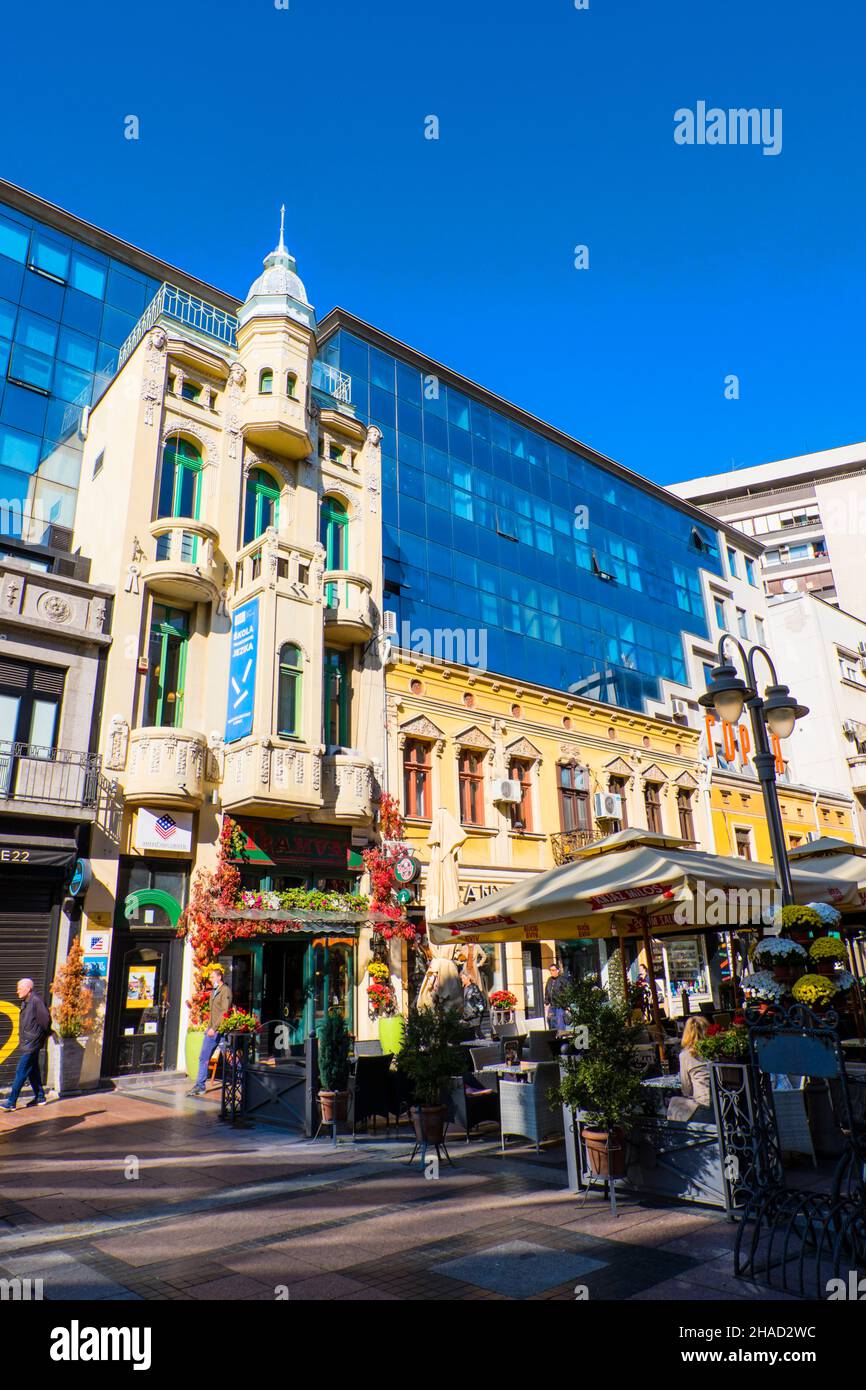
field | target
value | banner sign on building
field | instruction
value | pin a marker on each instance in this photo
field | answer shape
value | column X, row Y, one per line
column 242, row 671
column 171, row 830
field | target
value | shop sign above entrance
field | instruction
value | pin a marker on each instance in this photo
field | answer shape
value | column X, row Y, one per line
column 163, row 830
column 82, row 877
column 295, row 844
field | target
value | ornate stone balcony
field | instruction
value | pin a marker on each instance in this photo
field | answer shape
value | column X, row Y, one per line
column 347, row 789
column 270, row 777
column 183, row 565
column 165, row 767
column 858, row 772
column 277, row 422
column 348, row 608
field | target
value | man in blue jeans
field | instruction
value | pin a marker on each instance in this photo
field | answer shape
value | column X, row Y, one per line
column 220, row 1005
column 34, row 1025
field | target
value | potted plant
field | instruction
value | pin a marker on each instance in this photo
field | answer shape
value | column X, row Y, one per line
column 603, row 1079
column 782, row 955
column 502, row 1005
column 70, row 1011
column 815, row 991
column 725, row 1047
column 335, row 1047
column 826, row 952
column 798, row 922
column 763, row 989
column 430, row 1057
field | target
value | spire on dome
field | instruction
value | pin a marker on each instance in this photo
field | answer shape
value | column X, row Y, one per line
column 279, row 289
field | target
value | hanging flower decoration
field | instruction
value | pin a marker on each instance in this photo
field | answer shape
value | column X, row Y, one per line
column 379, row 971
column 381, row 999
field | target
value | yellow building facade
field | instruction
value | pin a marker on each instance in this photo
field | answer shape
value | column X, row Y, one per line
column 529, row 774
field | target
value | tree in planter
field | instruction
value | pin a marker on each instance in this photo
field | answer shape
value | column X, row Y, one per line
column 335, row 1046
column 603, row 1079
column 71, row 1011
column 431, row 1055
column 72, row 1000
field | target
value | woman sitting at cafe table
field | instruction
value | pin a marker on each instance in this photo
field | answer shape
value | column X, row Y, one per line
column 694, row 1101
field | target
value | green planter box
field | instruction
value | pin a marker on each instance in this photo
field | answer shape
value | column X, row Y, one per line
column 391, row 1034
column 192, row 1050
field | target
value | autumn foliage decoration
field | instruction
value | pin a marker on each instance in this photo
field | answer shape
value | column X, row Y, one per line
column 379, row 863
column 72, row 998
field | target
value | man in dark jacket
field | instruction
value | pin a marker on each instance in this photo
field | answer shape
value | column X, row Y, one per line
column 34, row 1025
column 220, row 1005
column 554, row 991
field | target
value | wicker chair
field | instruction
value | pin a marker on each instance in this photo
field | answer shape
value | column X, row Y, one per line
column 524, row 1108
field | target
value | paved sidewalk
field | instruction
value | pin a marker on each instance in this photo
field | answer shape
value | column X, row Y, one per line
column 146, row 1195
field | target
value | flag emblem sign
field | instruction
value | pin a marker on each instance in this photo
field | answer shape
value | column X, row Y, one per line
column 165, row 826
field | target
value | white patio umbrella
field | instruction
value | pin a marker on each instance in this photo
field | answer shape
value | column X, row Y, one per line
column 442, row 894
column 631, row 883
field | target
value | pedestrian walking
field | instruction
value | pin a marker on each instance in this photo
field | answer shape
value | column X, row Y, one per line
column 220, row 1005
column 34, row 1027
column 554, row 992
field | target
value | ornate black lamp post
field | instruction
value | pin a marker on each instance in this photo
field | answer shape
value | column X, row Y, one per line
column 776, row 710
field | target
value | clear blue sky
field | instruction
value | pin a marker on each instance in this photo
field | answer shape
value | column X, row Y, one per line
column 556, row 128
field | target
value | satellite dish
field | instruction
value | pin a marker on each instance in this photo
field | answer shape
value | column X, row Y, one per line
column 790, row 586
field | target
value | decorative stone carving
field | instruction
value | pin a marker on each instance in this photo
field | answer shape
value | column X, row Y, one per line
column 54, row 607
column 317, row 570
column 133, row 572
column 96, row 617
column 522, row 748
column 204, row 438
column 473, row 737
column 118, row 743
column 154, row 371
column 12, row 593
column 422, row 727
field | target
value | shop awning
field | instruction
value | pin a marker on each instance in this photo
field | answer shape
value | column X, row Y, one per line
column 22, row 852
column 631, row 882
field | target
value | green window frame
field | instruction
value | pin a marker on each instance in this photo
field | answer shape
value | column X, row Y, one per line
column 266, row 382
column 180, row 480
column 338, row 695
column 334, row 536
column 289, row 690
column 261, row 506
column 167, row 656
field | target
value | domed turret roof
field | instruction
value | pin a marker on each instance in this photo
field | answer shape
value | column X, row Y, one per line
column 279, row 290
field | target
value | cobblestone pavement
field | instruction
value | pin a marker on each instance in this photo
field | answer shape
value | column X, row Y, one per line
column 144, row 1194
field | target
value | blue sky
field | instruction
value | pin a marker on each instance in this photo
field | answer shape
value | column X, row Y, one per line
column 556, row 129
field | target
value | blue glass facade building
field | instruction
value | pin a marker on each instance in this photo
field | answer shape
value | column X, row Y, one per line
column 65, row 309
column 484, row 530
column 482, row 508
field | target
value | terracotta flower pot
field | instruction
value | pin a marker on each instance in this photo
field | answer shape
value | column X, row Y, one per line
column 335, row 1106
column 605, row 1151
column 429, row 1123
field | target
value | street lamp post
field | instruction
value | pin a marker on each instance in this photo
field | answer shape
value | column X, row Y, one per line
column 777, row 710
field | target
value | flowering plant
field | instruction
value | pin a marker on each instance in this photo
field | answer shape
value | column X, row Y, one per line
column 772, row 950
column 793, row 917
column 379, row 971
column 72, row 998
column 379, row 862
column 763, row 986
column 503, row 999
column 830, row 915
column 828, row 948
column 814, row 989
column 380, row 998
column 723, row 1044
column 301, row 900
column 844, row 980
column 239, row 1021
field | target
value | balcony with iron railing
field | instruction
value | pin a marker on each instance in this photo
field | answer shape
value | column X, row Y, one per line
column 566, row 843
column 33, row 777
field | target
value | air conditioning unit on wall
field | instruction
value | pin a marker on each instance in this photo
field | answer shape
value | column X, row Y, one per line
column 608, row 806
column 509, row 792
column 680, row 707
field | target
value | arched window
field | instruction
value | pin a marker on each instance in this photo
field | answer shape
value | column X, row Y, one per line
column 291, row 384
column 266, row 381
column 261, row 506
column 334, row 536
column 180, row 479
column 289, row 692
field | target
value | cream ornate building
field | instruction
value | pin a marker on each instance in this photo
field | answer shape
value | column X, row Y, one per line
column 231, row 498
